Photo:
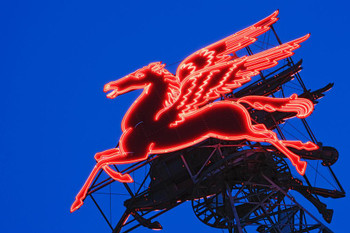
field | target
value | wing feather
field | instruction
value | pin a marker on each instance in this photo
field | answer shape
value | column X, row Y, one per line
column 209, row 83
column 221, row 50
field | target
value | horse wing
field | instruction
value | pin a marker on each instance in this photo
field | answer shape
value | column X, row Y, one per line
column 221, row 50
column 207, row 85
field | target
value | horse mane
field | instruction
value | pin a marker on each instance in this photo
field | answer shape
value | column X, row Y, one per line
column 173, row 82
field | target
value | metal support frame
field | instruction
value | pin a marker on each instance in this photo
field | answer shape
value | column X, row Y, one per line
column 265, row 204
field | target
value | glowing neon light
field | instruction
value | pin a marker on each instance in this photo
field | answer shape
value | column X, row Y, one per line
column 173, row 111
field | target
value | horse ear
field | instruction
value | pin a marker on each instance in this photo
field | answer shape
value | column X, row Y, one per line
column 156, row 66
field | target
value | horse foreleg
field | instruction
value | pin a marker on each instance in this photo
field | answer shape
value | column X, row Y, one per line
column 106, row 154
column 82, row 193
column 126, row 178
column 113, row 174
column 102, row 164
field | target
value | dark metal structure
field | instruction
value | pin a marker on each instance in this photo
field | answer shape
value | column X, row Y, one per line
column 234, row 185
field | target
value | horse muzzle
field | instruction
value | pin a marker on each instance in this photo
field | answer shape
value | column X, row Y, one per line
column 112, row 94
column 113, row 91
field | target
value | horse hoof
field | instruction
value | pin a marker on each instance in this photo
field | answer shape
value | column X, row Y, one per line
column 126, row 178
column 76, row 205
column 301, row 167
column 311, row 146
column 98, row 156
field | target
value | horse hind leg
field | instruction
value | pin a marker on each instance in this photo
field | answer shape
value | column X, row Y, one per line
column 300, row 145
column 294, row 158
column 260, row 133
column 294, row 144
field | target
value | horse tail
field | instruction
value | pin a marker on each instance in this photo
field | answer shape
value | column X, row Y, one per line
column 301, row 106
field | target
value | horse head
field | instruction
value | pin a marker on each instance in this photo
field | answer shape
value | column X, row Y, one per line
column 139, row 79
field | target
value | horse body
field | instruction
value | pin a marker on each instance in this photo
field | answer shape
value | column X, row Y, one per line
column 143, row 134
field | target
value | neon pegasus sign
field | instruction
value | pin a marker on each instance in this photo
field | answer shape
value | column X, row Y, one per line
column 177, row 111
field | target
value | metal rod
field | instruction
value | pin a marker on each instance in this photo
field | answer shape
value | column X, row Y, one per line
column 291, row 198
column 336, row 179
column 212, row 153
column 140, row 164
column 232, row 202
column 104, row 216
column 289, row 60
column 188, row 168
column 100, row 183
column 110, row 180
column 121, row 222
column 154, row 216
column 309, row 131
column 144, row 180
column 93, row 183
column 278, row 128
column 126, row 185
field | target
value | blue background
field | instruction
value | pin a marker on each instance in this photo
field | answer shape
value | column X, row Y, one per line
column 57, row 55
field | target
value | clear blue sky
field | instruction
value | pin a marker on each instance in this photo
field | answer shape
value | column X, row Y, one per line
column 57, row 55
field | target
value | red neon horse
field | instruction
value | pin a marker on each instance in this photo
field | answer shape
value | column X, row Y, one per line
column 177, row 111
